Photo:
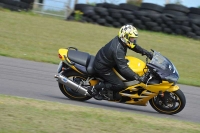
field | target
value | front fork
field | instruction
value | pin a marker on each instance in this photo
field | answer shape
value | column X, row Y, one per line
column 164, row 97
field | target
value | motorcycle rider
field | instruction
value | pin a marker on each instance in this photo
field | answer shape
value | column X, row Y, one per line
column 113, row 55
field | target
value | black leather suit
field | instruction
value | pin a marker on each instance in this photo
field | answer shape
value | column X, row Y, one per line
column 113, row 55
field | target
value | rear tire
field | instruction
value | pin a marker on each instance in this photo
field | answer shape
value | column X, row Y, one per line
column 68, row 92
column 175, row 103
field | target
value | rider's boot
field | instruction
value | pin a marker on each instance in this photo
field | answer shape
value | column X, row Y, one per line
column 94, row 91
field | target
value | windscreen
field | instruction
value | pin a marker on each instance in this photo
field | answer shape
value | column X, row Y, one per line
column 164, row 67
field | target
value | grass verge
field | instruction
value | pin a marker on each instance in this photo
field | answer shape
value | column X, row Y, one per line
column 33, row 37
column 34, row 116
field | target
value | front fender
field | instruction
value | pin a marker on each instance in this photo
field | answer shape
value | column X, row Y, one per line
column 173, row 88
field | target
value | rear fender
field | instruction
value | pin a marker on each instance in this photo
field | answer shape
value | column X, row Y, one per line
column 63, row 56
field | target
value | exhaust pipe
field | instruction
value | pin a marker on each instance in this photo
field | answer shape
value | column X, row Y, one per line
column 64, row 80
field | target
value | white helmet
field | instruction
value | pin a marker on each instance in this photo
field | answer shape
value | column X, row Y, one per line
column 128, row 34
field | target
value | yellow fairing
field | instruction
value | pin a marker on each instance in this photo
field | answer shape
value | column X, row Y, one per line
column 149, row 92
column 136, row 65
column 63, row 52
column 164, row 86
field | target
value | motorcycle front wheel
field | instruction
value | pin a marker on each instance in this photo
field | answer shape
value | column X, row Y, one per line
column 68, row 92
column 171, row 103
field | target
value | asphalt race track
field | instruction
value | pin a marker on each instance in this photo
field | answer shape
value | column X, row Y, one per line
column 36, row 80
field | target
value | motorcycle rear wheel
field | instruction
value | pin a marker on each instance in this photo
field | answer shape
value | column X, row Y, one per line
column 175, row 103
column 68, row 92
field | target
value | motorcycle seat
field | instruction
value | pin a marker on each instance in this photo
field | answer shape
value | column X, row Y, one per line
column 79, row 57
column 90, row 68
column 83, row 59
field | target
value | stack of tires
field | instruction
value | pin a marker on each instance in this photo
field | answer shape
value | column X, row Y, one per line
column 149, row 17
column 15, row 5
column 106, row 14
column 176, row 19
column 194, row 17
column 171, row 19
column 113, row 15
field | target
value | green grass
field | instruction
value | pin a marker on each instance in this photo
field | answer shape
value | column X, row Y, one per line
column 20, row 115
column 33, row 37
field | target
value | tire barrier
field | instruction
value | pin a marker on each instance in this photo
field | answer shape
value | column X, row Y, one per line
column 14, row 5
column 170, row 19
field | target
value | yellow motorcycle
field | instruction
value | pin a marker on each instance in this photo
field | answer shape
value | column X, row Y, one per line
column 76, row 73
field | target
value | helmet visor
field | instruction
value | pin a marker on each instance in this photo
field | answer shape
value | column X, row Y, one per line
column 132, row 40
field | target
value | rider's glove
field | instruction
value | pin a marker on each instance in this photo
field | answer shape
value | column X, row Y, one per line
column 149, row 54
column 142, row 78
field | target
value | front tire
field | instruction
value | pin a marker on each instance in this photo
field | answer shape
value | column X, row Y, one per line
column 68, row 92
column 174, row 103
